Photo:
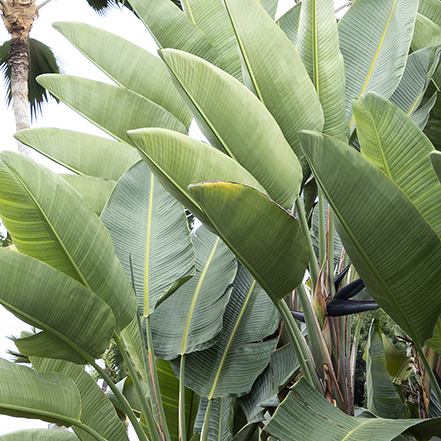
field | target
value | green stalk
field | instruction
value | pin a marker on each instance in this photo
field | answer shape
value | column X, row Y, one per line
column 145, row 408
column 299, row 344
column 154, row 382
column 204, row 434
column 435, row 386
column 122, row 399
column 182, row 428
column 331, row 251
column 313, row 266
column 322, row 229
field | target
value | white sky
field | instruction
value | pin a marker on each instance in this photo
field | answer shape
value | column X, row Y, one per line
column 120, row 22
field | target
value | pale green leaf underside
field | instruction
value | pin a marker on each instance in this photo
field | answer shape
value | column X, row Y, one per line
column 265, row 238
column 426, row 33
column 236, row 122
column 136, row 70
column 387, row 239
column 113, row 109
column 148, row 226
column 50, row 221
column 81, row 153
column 196, row 309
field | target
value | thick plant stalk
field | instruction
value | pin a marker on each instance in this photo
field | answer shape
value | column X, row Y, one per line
column 429, row 371
column 322, row 229
column 204, row 434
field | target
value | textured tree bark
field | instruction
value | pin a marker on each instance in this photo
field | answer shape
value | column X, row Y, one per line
column 18, row 17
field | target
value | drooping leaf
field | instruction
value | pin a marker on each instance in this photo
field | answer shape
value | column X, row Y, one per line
column 196, row 309
column 81, row 153
column 305, row 414
column 275, row 71
column 230, row 367
column 103, row 48
column 382, row 398
column 289, row 23
column 97, row 411
column 276, row 251
column 40, row 435
column 45, row 215
column 111, row 108
column 95, row 191
column 78, row 320
column 375, row 56
column 236, row 122
column 149, row 229
column 389, row 242
column 178, row 161
column 318, row 47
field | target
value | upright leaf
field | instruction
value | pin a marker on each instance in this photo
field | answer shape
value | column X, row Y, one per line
column 149, row 229
column 237, row 123
column 390, row 243
column 375, row 55
column 289, row 23
column 50, row 221
column 218, row 424
column 196, row 309
column 230, row 367
column 318, row 46
column 103, row 48
column 275, row 71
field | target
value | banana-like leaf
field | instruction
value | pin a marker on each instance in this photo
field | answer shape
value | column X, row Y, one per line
column 389, row 242
column 218, row 423
column 318, row 47
column 274, row 71
column 103, row 48
column 276, row 252
column 382, row 398
column 195, row 311
column 111, row 108
column 270, row 7
column 375, row 56
column 156, row 239
column 289, row 23
column 210, row 16
column 420, row 68
column 178, row 161
column 393, row 143
column 305, row 414
column 435, row 160
column 50, row 221
column 81, row 153
column 27, row 393
column 40, row 435
column 49, row 300
column 236, row 122
column 397, row 362
column 170, row 27
column 95, row 191
column 431, row 9
column 427, row 33
column 97, row 411
column 230, row 367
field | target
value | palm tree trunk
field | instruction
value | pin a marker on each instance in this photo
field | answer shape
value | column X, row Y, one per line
column 18, row 16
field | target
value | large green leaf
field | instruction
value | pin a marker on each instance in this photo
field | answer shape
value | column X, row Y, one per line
column 236, row 122
column 178, row 161
column 318, row 46
column 40, row 435
column 103, row 48
column 230, row 367
column 265, row 238
column 305, row 414
column 391, row 245
column 427, row 33
column 27, row 393
column 210, row 16
column 382, row 398
column 375, row 55
column 50, row 221
column 274, row 71
column 393, row 143
column 81, row 153
column 151, row 236
column 111, row 108
column 170, row 27
column 96, row 409
column 218, row 424
column 95, row 191
column 49, row 300
column 289, row 23
column 195, row 311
